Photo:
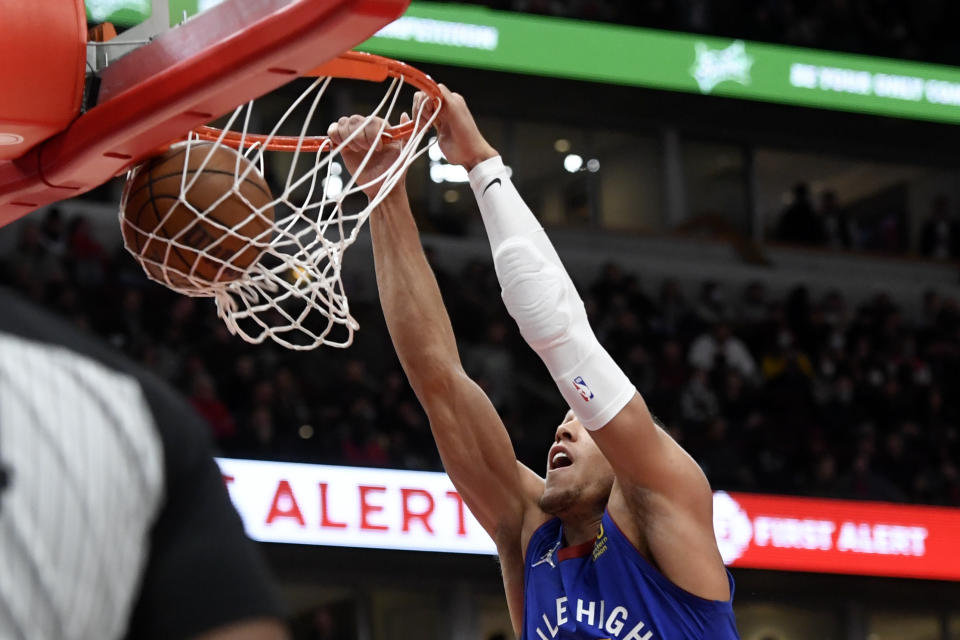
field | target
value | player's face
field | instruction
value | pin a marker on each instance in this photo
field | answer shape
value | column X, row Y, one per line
column 579, row 478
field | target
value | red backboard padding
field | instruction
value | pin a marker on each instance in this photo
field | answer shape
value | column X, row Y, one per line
column 186, row 77
column 42, row 59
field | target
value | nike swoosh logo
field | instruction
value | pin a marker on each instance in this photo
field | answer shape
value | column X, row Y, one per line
column 487, row 188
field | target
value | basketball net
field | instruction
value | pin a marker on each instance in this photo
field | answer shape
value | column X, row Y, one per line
column 293, row 294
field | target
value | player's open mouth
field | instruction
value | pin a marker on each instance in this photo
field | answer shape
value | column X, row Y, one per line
column 559, row 458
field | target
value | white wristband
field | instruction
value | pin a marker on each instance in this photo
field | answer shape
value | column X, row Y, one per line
column 597, row 389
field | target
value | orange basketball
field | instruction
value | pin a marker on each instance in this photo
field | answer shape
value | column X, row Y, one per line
column 195, row 239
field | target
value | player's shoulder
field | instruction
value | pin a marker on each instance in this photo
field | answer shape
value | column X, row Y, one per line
column 543, row 533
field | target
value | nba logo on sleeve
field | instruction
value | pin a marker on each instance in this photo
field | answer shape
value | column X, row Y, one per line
column 582, row 387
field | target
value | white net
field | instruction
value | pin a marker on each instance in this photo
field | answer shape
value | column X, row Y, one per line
column 275, row 269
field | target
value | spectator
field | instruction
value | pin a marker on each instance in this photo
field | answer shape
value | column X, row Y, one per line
column 862, row 483
column 711, row 305
column 698, row 402
column 736, row 399
column 672, row 373
column 823, row 480
column 491, row 363
column 754, row 305
column 672, row 309
column 640, row 368
column 799, row 223
column 258, row 436
column 128, row 330
column 840, row 231
column 52, row 232
column 612, row 281
column 720, row 349
column 722, row 459
column 940, row 237
column 32, row 259
column 205, row 401
column 289, row 406
column 85, row 255
column 365, row 446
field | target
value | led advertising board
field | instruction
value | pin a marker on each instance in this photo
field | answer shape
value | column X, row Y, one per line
column 474, row 36
column 421, row 511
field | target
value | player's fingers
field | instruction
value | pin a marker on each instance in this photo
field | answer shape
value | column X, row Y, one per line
column 338, row 131
column 429, row 105
column 424, row 107
column 453, row 103
column 347, row 126
column 450, row 97
column 371, row 134
column 387, row 139
column 354, row 122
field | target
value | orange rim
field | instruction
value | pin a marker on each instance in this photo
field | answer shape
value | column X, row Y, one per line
column 351, row 64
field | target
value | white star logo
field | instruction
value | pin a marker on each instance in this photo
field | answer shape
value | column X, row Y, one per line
column 715, row 66
column 732, row 527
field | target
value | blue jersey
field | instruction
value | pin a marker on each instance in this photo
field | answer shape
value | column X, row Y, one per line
column 606, row 589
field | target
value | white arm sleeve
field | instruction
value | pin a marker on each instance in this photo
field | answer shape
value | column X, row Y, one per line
column 540, row 296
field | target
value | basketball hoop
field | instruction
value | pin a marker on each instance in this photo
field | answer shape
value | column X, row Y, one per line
column 293, row 294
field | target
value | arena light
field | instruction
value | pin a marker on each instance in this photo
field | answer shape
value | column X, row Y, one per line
column 442, row 172
column 333, row 185
column 421, row 511
column 572, row 162
column 434, row 152
column 305, row 431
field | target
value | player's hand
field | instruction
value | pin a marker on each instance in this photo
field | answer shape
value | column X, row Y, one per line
column 457, row 132
column 384, row 154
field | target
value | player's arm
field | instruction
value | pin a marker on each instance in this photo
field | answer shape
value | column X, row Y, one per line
column 473, row 443
column 651, row 468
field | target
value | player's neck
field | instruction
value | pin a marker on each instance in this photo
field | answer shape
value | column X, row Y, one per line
column 577, row 530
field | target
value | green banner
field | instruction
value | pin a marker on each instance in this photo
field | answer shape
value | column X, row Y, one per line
column 127, row 13
column 123, row 13
column 473, row 36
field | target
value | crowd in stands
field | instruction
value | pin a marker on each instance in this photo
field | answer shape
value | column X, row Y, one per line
column 790, row 393
column 911, row 30
column 827, row 225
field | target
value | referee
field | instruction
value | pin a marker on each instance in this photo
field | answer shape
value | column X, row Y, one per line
column 114, row 520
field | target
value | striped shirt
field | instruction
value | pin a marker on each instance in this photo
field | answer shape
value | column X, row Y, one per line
column 114, row 521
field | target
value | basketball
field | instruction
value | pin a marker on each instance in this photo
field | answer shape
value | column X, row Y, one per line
column 197, row 238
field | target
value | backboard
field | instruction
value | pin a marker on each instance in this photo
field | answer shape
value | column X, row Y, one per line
column 177, row 79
